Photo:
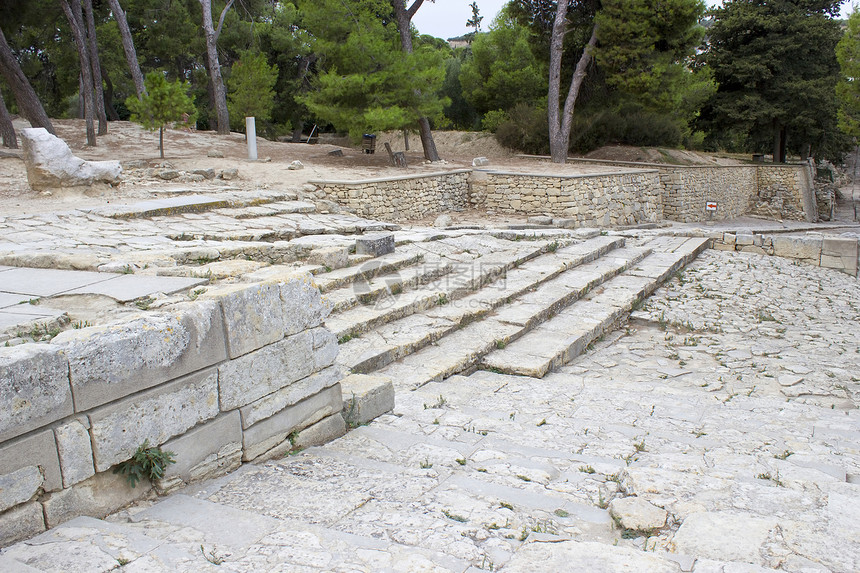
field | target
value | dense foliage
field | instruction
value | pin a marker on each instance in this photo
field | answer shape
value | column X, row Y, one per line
column 763, row 78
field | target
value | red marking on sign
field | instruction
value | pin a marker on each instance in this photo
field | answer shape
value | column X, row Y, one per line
column 711, row 206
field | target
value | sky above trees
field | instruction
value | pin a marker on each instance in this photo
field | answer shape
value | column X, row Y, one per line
column 447, row 18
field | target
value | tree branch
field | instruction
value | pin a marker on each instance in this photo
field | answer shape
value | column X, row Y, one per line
column 413, row 9
column 221, row 19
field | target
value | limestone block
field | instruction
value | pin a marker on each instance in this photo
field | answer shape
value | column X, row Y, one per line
column 75, row 451
column 19, row 486
column 290, row 395
column 97, row 496
column 376, row 245
column 480, row 162
column 34, row 388
column 539, row 220
column 840, row 253
column 269, row 433
column 636, row 513
column 366, row 397
column 20, row 523
column 209, row 450
column 325, row 348
column 112, row 361
column 252, row 376
column 156, row 415
column 724, row 536
column 331, row 257
column 752, row 249
column 743, row 239
column 798, row 247
column 322, row 432
column 261, row 314
column 37, row 452
column 831, row 262
column 50, row 163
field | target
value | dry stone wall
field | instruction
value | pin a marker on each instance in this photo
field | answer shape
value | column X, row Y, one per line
column 399, row 198
column 648, row 194
column 687, row 190
column 592, row 200
column 242, row 372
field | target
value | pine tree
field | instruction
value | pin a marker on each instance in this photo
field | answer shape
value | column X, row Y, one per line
column 163, row 103
column 251, row 88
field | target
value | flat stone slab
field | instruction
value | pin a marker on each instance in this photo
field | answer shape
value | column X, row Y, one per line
column 375, row 245
column 170, row 206
column 125, row 288
column 8, row 299
column 49, row 282
column 24, row 314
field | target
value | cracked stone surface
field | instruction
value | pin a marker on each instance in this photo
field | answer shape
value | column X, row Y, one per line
column 729, row 402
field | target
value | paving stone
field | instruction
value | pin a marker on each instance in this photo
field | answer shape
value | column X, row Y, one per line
column 724, row 536
column 561, row 554
column 34, row 388
column 156, row 415
column 11, row 300
column 49, row 282
column 126, row 288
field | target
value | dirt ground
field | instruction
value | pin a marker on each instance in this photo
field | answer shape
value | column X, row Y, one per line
column 186, row 150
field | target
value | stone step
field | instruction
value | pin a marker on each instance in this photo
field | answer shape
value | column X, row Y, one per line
column 398, row 338
column 462, row 279
column 463, row 348
column 569, row 333
column 378, row 289
column 389, row 263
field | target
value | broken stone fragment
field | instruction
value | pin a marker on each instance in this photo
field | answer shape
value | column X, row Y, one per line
column 50, row 163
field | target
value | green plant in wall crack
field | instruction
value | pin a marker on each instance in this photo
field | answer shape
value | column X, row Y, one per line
column 147, row 462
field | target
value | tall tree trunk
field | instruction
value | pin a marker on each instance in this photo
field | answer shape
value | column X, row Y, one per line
column 96, row 68
column 25, row 96
column 128, row 46
column 75, row 16
column 112, row 115
column 7, row 131
column 220, row 101
column 777, row 141
column 560, row 120
column 404, row 17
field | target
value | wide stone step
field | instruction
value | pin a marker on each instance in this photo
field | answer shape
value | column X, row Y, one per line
column 379, row 289
column 394, row 340
column 462, row 279
column 340, row 278
column 463, row 348
column 569, row 333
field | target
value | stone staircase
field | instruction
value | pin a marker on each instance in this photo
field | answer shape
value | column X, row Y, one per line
column 524, row 311
column 483, row 465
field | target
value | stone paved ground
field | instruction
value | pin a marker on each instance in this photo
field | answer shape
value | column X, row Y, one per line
column 717, row 432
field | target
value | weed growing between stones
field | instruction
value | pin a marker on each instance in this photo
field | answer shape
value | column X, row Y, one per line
column 147, row 462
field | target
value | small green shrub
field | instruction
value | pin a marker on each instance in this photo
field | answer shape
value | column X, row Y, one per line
column 147, row 462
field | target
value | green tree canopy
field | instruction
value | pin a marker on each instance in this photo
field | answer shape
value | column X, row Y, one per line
column 163, row 103
column 502, row 71
column 848, row 88
column 776, row 69
column 365, row 81
column 250, row 89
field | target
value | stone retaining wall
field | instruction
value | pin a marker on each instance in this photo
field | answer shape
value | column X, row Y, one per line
column 648, row 194
column 840, row 253
column 399, row 198
column 625, row 198
column 242, row 372
column 688, row 189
